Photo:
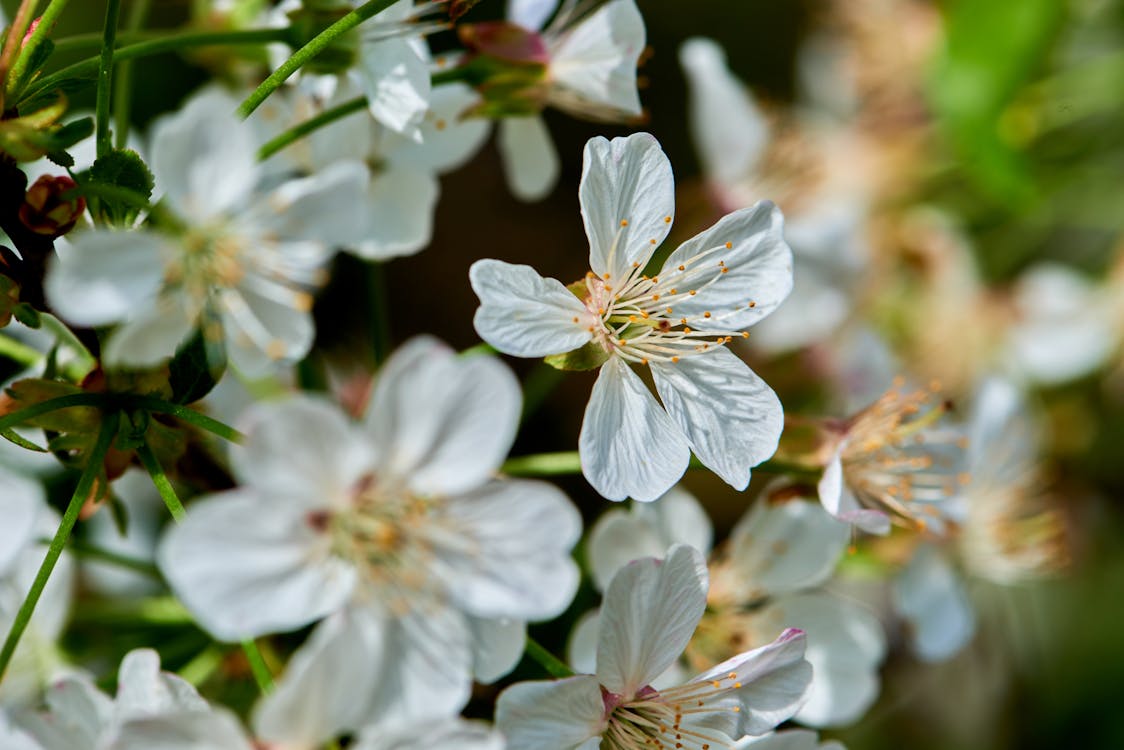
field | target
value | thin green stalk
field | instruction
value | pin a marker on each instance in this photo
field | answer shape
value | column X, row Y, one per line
column 190, row 416
column 554, row 666
column 326, row 117
column 94, row 467
column 379, row 311
column 205, row 664
column 164, row 611
column 26, row 54
column 154, row 46
column 16, row 32
column 315, row 46
column 262, row 675
column 19, row 352
column 52, row 404
column 160, row 480
column 86, row 550
column 105, row 79
column 123, row 87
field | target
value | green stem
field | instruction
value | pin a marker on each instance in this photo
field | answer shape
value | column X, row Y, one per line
column 379, row 311
column 169, row 43
column 123, row 88
column 315, row 46
column 554, row 666
column 262, row 675
column 205, row 664
column 185, row 414
column 569, row 462
column 326, row 117
column 160, row 480
column 161, row 611
column 52, row 404
column 15, row 80
column 79, row 548
column 19, row 352
column 105, row 79
column 16, row 33
column 93, row 470
column 538, row 385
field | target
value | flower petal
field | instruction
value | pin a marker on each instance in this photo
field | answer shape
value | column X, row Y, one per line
column 424, row 735
column 525, row 315
column 22, row 501
column 449, row 139
column 327, row 208
column 627, row 197
column 556, row 715
column 143, row 690
column 529, row 159
column 530, row 14
column 650, row 612
column 262, row 332
column 79, row 713
column 443, row 423
column 838, row 500
column 594, row 62
column 395, row 77
column 399, row 213
column 629, row 445
column 746, row 269
column 151, row 334
column 210, row 729
column 497, row 647
column 938, row 613
column 731, row 417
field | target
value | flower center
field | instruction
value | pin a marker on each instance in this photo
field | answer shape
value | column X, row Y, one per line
column 671, row 718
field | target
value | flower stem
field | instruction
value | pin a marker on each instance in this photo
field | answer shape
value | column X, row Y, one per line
column 123, row 87
column 185, row 414
column 105, row 79
column 52, row 404
column 379, row 311
column 160, row 480
column 79, row 548
column 315, row 46
column 297, row 132
column 205, row 664
column 19, row 352
column 94, row 467
column 554, row 666
column 19, row 72
column 262, row 675
column 12, row 44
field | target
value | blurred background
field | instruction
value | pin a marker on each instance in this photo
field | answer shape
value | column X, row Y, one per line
column 955, row 169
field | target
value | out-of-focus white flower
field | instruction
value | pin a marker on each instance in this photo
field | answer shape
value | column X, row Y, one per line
column 929, row 595
column 11, row 736
column 144, row 512
column 764, row 579
column 792, row 739
column 651, row 610
column 238, row 264
column 394, row 530
column 676, row 322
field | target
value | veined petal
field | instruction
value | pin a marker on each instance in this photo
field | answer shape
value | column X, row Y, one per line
column 78, row 713
column 556, row 715
column 629, row 445
column 741, row 267
column 650, row 612
column 104, row 275
column 497, row 647
column 929, row 595
column 731, row 417
column 395, row 77
column 210, row 729
column 627, row 197
column 246, row 566
column 525, row 315
column 838, row 500
column 327, row 207
column 262, row 332
column 443, row 732
column 729, row 130
column 529, row 159
column 530, row 14
column 398, row 216
column 449, row 139
column 595, row 60
column 443, row 424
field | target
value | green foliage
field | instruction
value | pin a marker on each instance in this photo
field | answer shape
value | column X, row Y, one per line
column 130, row 182
column 196, row 368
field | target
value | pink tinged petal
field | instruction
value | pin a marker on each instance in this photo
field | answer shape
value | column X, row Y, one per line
column 246, row 565
column 304, row 450
column 449, row 139
column 398, row 216
column 210, row 729
column 746, row 271
column 846, row 645
column 395, row 78
column 105, row 275
column 143, row 690
column 627, row 197
column 731, row 417
column 429, row 734
column 594, row 62
column 508, row 550
column 530, row 14
column 529, row 159
column 775, row 680
column 838, row 500
column 525, row 315
column 650, row 611
column 22, row 501
column 204, row 158
column 152, row 333
column 497, row 647
column 930, row 597
column 788, row 546
column 443, row 423
column 729, row 130
column 557, row 715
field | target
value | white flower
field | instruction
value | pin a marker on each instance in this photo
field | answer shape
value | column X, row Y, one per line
column 394, row 530
column 792, row 739
column 14, row 738
column 675, row 322
column 651, row 609
column 929, row 595
column 240, row 265
column 767, row 577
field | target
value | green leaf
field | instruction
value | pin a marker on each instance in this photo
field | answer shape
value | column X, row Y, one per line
column 120, row 170
column 14, row 437
column 196, row 368
column 589, row 357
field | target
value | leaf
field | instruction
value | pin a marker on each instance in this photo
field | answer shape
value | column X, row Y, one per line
column 14, row 437
column 78, row 420
column 196, row 368
column 129, row 183
column 589, row 357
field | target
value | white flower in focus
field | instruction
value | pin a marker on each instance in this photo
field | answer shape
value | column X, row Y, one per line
column 393, row 530
column 676, row 323
column 651, row 610
column 238, row 264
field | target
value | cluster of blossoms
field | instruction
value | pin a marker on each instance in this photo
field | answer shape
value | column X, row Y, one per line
column 364, row 548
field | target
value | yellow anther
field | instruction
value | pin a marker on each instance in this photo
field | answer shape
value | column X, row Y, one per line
column 729, row 245
column 667, row 220
column 624, row 222
column 706, row 314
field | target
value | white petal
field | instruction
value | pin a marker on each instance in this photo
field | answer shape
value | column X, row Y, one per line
column 14, row 738
column 327, row 208
column 79, row 713
column 530, row 161
column 449, row 139
column 262, row 332
column 627, row 197
column 152, row 333
column 618, row 538
column 728, row 129
column 581, row 648
column 838, row 500
column 426, row 735
column 22, row 501
column 814, row 310
column 105, row 275
column 146, row 513
column 399, row 213
column 759, row 263
column 629, row 445
column 787, row 546
column 595, row 60
column 396, row 80
column 497, row 647
column 246, row 566
column 650, row 611
column 929, row 595
column 210, row 729
column 204, row 157
column 143, row 690
column 443, row 423
column 557, row 715
column 511, row 554
column 530, row 14
column 790, row 739
column 731, row 417
column 525, row 315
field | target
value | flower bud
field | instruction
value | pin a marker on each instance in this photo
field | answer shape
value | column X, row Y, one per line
column 45, row 211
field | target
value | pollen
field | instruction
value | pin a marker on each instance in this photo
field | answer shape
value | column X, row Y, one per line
column 275, row 349
column 624, row 222
column 729, row 245
column 440, row 125
column 682, row 268
column 667, row 220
